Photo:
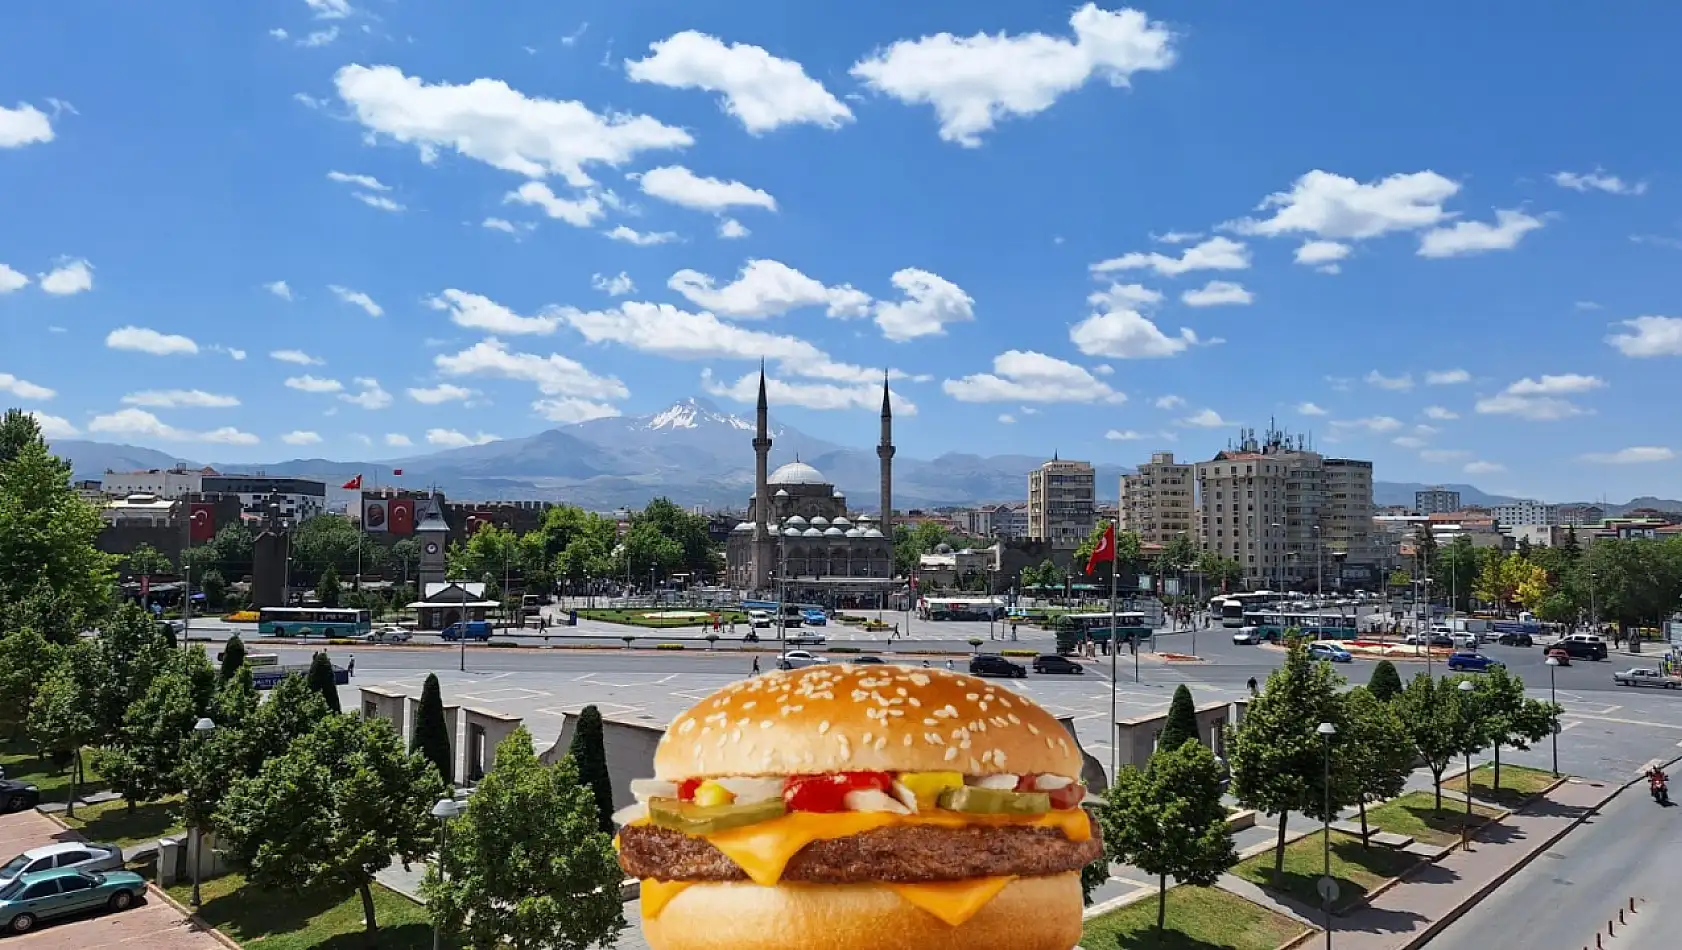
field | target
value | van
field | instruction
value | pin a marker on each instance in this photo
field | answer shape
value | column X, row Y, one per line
column 1583, row 646
column 471, row 630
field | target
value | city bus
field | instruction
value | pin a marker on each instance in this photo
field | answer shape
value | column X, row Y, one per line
column 961, row 608
column 1129, row 625
column 1233, row 607
column 312, row 621
column 1274, row 623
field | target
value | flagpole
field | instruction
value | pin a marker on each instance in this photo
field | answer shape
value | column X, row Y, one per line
column 1115, row 746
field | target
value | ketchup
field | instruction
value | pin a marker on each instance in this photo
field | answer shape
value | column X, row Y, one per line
column 828, row 793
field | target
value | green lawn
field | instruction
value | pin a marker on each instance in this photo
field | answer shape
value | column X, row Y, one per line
column 111, row 821
column 1414, row 815
column 634, row 617
column 1518, row 784
column 20, row 762
column 1358, row 870
column 274, row 920
column 1199, row 918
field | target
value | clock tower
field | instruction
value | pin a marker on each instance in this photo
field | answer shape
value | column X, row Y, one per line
column 433, row 533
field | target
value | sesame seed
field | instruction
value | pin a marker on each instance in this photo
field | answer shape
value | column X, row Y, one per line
column 866, row 738
column 900, row 691
column 972, row 697
column 750, row 704
column 951, row 753
column 860, row 695
column 881, row 743
column 919, row 679
column 915, row 701
column 765, row 724
column 908, row 738
column 974, row 766
column 736, row 736
column 823, row 727
column 1033, row 729
column 999, row 757
column 933, row 738
column 1013, row 720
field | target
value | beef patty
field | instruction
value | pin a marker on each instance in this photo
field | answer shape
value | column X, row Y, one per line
column 905, row 854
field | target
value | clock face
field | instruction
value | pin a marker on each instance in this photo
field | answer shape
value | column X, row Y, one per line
column 431, row 548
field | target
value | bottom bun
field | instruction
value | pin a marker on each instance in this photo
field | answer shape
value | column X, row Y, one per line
column 1031, row 913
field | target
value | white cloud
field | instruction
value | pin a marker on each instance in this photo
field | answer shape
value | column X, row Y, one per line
column 180, row 399
column 296, row 357
column 767, row 288
column 1409, row 441
column 70, row 277
column 1217, row 293
column 380, row 202
column 617, row 286
column 1587, row 305
column 441, row 393
column 1176, row 237
column 11, row 280
column 279, row 288
column 680, row 186
column 301, row 437
column 640, row 238
column 25, row 125
column 1400, row 383
column 491, row 122
column 1124, row 297
column 930, row 303
column 826, row 396
column 24, row 389
column 1322, row 255
column 234, row 353
column 1168, row 402
column 1444, row 455
column 1103, row 369
column 1484, row 468
column 314, row 384
column 138, row 423
column 329, row 9
column 143, row 340
column 1206, row 419
column 580, row 213
column 567, row 410
column 1475, row 237
column 357, row 298
column 553, row 375
column 397, row 440
column 1447, row 377
column 1649, row 336
column 361, row 181
column 1337, row 208
column 1123, row 435
column 1027, row 376
column 53, row 427
column 1369, row 423
column 1634, row 455
column 1217, row 253
column 1123, row 332
column 1439, row 413
column 450, row 438
column 1533, row 408
column 731, row 229
column 1006, row 419
column 317, row 38
column 369, row 394
column 481, row 313
column 761, row 91
column 1599, row 180
column 1561, row 385
column 974, row 82
column 506, row 226
column 1309, row 409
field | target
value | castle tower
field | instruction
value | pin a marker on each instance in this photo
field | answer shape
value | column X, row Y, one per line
column 764, row 542
column 885, row 452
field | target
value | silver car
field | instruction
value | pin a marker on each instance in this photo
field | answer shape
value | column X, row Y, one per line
column 79, row 855
column 798, row 659
column 388, row 635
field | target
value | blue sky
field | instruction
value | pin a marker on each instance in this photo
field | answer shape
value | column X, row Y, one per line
column 1446, row 242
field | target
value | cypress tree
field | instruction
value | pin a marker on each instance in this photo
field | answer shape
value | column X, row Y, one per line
column 321, row 680
column 1182, row 722
column 233, row 657
column 1385, row 682
column 431, row 736
column 589, row 754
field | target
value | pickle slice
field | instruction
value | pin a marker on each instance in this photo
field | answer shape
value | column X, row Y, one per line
column 991, row 801
column 692, row 819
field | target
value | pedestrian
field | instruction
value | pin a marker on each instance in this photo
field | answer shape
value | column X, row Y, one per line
column 948, row 662
column 1252, row 685
column 925, row 664
column 351, row 669
column 755, row 671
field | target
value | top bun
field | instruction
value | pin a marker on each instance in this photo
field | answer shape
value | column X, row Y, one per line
column 875, row 718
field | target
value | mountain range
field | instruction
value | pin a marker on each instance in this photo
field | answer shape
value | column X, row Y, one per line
column 691, row 452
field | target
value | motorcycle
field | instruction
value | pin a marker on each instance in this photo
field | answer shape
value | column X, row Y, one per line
column 1660, row 790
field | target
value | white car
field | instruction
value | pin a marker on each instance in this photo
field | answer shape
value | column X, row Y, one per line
column 795, row 659
column 80, row 855
column 1248, row 635
column 759, row 618
column 388, row 635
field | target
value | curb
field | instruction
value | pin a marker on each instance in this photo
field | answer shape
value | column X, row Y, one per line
column 194, row 919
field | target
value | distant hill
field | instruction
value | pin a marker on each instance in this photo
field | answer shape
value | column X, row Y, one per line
column 1401, row 493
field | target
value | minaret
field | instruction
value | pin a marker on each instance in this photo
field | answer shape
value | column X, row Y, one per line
column 762, row 517
column 885, row 452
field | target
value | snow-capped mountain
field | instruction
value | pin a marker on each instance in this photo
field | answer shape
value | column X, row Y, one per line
column 694, row 413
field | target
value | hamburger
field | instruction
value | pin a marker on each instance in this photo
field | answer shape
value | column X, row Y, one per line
column 861, row 808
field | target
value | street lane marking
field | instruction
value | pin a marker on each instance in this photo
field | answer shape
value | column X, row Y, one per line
column 1627, row 722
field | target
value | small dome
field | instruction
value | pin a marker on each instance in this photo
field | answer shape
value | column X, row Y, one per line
column 792, row 533
column 943, row 548
column 820, row 522
column 794, row 521
column 872, row 533
column 833, row 533
column 865, row 519
column 797, row 473
column 854, row 533
column 811, row 533
column 838, row 493
column 781, row 493
column 743, row 527
column 842, row 522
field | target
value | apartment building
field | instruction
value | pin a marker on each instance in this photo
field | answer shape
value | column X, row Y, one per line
column 1159, row 502
column 1346, row 517
column 1009, row 522
column 1526, row 513
column 1062, row 503
column 1436, row 499
column 1241, row 505
column 1580, row 514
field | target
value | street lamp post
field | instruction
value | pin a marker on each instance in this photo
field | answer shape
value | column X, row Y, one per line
column 1326, row 731
column 1281, row 557
column 1319, row 566
column 1466, row 688
column 1594, row 613
column 1553, row 664
column 444, row 810
column 202, row 729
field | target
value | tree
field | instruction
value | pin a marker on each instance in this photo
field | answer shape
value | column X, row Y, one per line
column 215, row 589
column 236, row 699
column 331, row 812
column 233, row 656
column 1168, row 820
column 330, row 541
column 1438, row 722
column 268, row 729
column 1571, row 548
column 1275, row 753
column 405, row 556
column 47, row 537
column 327, row 589
column 145, row 559
column 1385, row 683
column 1181, row 725
column 26, row 659
column 589, row 752
column 1128, row 553
column 62, row 720
column 431, row 736
column 320, row 679
column 1507, row 717
column 1374, row 754
column 1399, row 578
column 1424, row 550
column 229, row 553
column 129, row 651
column 17, row 430
column 1454, row 570
column 145, row 762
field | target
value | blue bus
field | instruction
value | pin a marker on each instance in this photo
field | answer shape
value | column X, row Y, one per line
column 1129, row 625
column 312, row 621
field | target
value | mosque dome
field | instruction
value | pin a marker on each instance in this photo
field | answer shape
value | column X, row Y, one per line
column 842, row 522
column 791, row 533
column 797, row 473
column 833, row 532
column 781, row 493
column 819, row 521
column 794, row 521
column 943, row 548
column 873, row 533
column 744, row 527
column 854, row 533
column 811, row 533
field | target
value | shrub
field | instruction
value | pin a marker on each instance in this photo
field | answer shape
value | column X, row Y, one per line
column 1068, row 635
column 669, row 646
column 241, row 616
column 845, row 650
column 1019, row 653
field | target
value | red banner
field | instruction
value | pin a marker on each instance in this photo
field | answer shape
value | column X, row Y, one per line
column 201, row 524
column 474, row 523
column 400, row 516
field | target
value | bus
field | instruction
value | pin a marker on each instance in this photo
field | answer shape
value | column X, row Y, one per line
column 961, row 608
column 1233, row 607
column 1312, row 626
column 1129, row 625
column 312, row 621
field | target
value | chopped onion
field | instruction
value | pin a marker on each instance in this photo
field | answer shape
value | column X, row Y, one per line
column 1092, row 799
column 872, row 799
column 751, row 790
column 906, row 796
column 630, row 813
column 1003, row 783
column 1048, row 783
column 642, row 789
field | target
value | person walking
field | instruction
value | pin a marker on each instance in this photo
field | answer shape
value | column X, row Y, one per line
column 1252, row 685
column 948, row 662
column 755, row 670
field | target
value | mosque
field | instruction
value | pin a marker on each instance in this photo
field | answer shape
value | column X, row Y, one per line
column 798, row 530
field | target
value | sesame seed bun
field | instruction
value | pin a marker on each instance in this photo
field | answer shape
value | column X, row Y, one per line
column 1031, row 913
column 842, row 718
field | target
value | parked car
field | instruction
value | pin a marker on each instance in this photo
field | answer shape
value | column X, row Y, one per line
column 60, row 893
column 1559, row 655
column 1643, row 676
column 471, row 630
column 1052, row 663
column 989, row 664
column 387, row 635
column 796, row 659
column 867, row 659
column 759, row 618
column 17, row 796
column 1322, row 650
column 1472, row 662
column 1513, row 638
column 73, row 855
column 1245, row 635
column 814, row 617
column 1434, row 639
column 1583, row 646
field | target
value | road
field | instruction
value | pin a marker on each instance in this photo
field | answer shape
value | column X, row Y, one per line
column 1560, row 900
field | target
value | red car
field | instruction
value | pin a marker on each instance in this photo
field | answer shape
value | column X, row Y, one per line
column 1559, row 656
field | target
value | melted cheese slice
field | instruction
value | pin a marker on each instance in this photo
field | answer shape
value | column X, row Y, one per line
column 655, row 895
column 952, row 901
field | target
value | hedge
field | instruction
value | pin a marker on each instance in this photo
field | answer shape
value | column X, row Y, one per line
column 1019, row 653
column 845, row 650
column 669, row 646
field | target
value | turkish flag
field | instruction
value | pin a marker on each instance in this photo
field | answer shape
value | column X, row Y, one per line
column 396, row 471
column 400, row 516
column 354, row 484
column 201, row 522
column 1104, row 550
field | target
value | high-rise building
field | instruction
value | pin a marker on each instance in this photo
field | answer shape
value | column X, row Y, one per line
column 1436, row 500
column 1581, row 514
column 1525, row 513
column 1061, row 503
column 1159, row 502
